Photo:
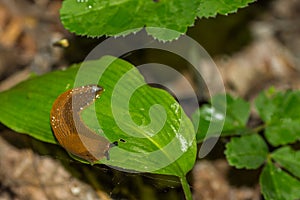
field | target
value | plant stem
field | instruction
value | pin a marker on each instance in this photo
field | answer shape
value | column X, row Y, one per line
column 259, row 128
column 186, row 188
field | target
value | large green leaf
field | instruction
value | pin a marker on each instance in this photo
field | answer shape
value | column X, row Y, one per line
column 158, row 136
column 113, row 17
column 277, row 184
column 171, row 18
column 210, row 8
column 248, row 151
column 289, row 159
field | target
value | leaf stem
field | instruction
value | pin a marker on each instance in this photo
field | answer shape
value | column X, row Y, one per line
column 259, row 128
column 186, row 188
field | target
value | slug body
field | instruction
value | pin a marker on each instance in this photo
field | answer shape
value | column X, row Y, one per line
column 69, row 128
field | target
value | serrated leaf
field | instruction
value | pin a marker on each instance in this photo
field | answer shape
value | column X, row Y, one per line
column 283, row 131
column 276, row 105
column 248, row 151
column 151, row 146
column 288, row 159
column 281, row 113
column 210, row 117
column 210, row 8
column 277, row 184
column 112, row 17
column 267, row 103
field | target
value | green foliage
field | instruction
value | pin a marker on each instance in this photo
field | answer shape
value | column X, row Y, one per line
column 213, row 7
column 170, row 18
column 280, row 113
column 211, row 116
column 172, row 150
column 277, row 184
column 248, row 151
column 112, row 18
column 289, row 159
column 26, row 109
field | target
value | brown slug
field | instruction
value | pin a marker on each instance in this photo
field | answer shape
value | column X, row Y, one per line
column 69, row 128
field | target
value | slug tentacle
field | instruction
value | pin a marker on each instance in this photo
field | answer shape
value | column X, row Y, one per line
column 70, row 130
